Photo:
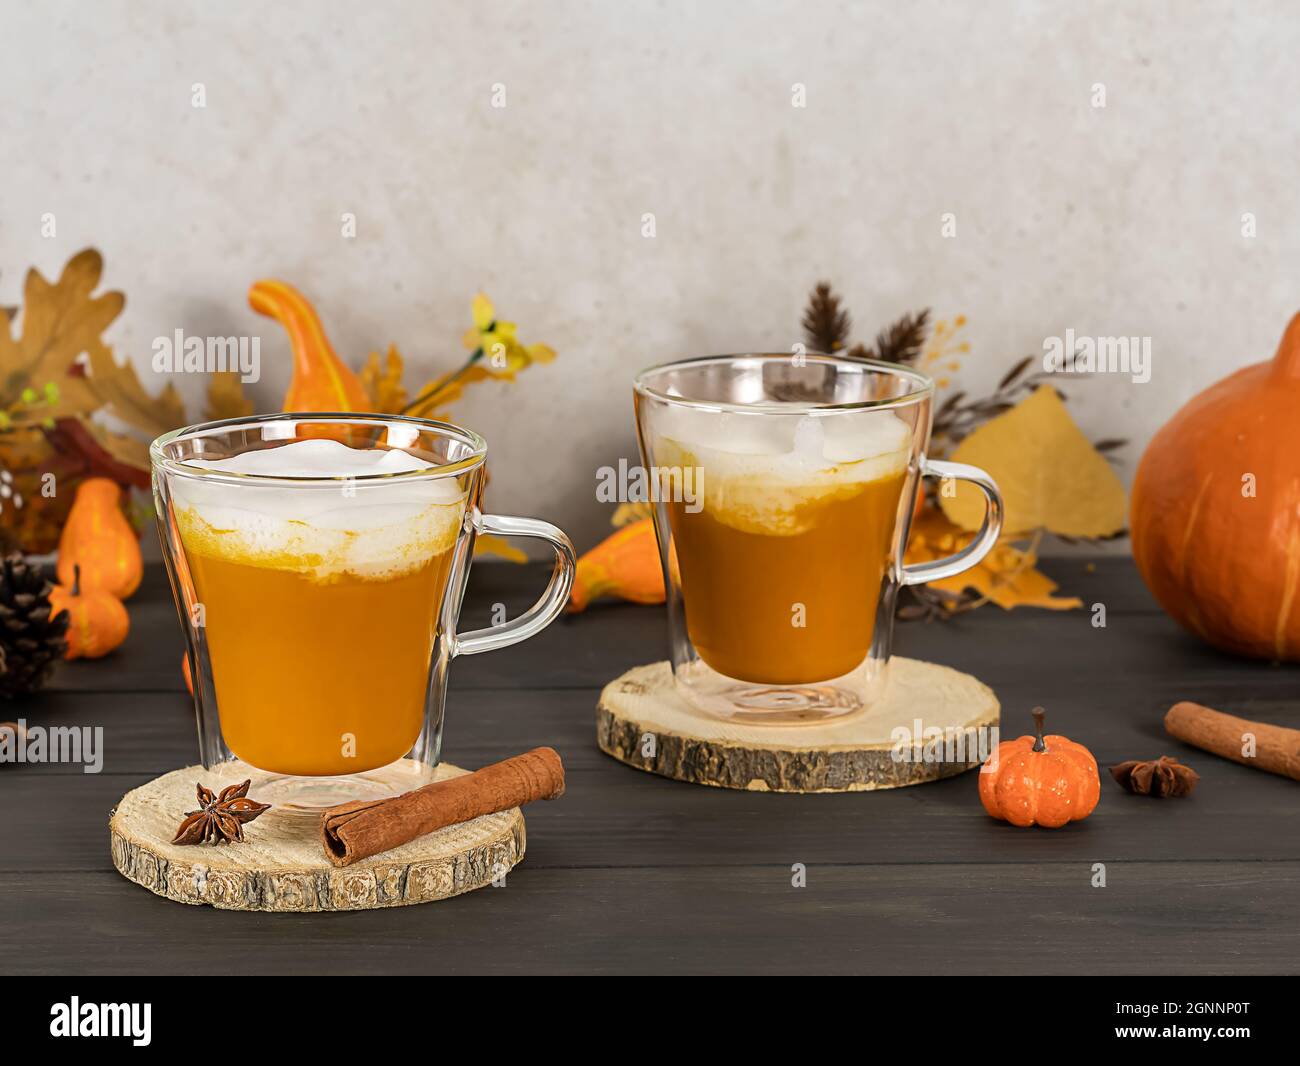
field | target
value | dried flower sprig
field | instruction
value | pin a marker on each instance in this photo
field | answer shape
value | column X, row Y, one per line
column 826, row 324
column 494, row 352
column 958, row 415
column 936, row 350
column 900, row 343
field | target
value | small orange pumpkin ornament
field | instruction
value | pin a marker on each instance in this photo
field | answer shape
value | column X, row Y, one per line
column 97, row 620
column 1040, row 780
column 98, row 539
column 624, row 564
column 1215, row 510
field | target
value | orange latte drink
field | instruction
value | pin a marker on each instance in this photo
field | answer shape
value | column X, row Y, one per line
column 783, row 552
column 320, row 610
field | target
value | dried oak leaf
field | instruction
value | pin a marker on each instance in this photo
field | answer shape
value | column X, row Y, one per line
column 119, row 391
column 58, row 322
column 220, row 818
column 1049, row 474
column 1161, row 777
column 226, row 397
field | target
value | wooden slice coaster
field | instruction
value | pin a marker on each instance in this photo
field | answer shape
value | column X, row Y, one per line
column 642, row 721
column 281, row 866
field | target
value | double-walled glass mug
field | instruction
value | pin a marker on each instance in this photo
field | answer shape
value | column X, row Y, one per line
column 784, row 487
column 318, row 563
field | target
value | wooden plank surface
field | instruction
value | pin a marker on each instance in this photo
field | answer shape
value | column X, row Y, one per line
column 632, row 873
column 1153, row 918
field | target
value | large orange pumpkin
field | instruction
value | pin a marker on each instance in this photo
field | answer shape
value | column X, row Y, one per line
column 98, row 539
column 1040, row 780
column 1215, row 512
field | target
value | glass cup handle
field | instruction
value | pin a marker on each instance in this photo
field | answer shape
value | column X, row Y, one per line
column 949, row 566
column 548, row 606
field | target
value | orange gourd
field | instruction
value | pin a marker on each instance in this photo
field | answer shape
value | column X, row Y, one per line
column 1040, row 780
column 98, row 539
column 320, row 382
column 625, row 564
column 1215, row 511
column 97, row 620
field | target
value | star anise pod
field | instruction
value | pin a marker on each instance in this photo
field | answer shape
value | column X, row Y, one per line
column 220, row 819
column 1160, row 777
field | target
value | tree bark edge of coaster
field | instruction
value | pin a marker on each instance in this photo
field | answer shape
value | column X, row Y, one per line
column 281, row 866
column 643, row 722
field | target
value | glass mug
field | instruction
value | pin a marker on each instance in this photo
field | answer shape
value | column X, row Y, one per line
column 784, row 489
column 319, row 590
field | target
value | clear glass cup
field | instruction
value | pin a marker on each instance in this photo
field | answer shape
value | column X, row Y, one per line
column 784, row 486
column 320, row 613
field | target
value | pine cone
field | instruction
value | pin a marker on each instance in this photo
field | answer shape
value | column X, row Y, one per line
column 29, row 641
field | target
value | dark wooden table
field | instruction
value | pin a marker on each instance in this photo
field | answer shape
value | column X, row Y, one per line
column 633, row 873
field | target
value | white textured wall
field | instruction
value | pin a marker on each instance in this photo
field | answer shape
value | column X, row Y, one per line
column 1122, row 220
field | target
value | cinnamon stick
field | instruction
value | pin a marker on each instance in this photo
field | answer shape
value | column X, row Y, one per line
column 357, row 830
column 1276, row 748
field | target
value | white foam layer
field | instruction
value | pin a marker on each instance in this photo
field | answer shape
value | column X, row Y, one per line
column 317, row 458
column 325, row 530
column 766, row 473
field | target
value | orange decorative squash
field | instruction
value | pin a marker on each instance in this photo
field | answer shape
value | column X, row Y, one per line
column 321, row 382
column 1040, row 780
column 1215, row 512
column 624, row 564
column 98, row 539
column 97, row 620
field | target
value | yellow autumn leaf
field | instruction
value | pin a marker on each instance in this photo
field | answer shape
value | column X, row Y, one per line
column 226, row 397
column 488, row 544
column 1050, row 476
column 1007, row 576
column 383, row 384
column 627, row 513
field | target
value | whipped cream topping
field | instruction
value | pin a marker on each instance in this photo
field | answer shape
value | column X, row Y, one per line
column 370, row 529
column 767, row 473
column 317, row 458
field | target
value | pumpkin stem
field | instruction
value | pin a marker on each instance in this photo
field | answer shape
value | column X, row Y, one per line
column 1039, row 714
column 76, row 579
column 1286, row 364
